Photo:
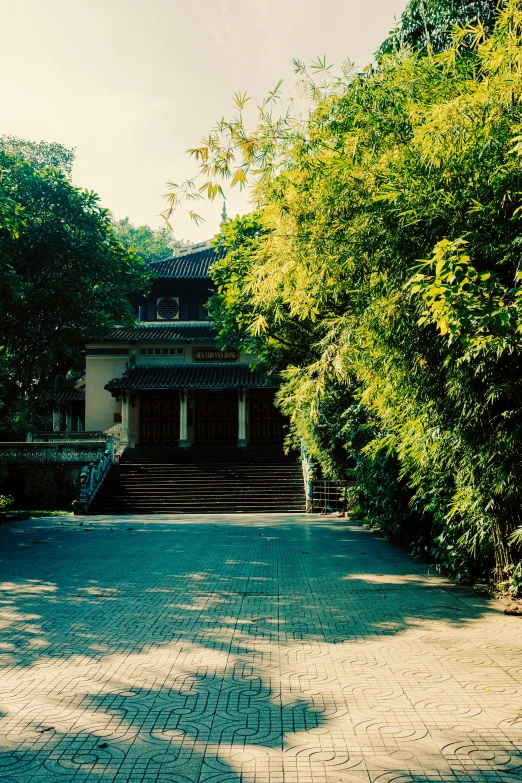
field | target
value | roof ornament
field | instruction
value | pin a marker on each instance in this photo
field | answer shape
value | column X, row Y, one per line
column 224, row 213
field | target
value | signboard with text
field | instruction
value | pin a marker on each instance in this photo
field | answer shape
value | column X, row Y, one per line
column 213, row 355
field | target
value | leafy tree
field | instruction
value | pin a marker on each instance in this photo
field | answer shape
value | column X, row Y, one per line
column 260, row 330
column 63, row 278
column 40, row 153
column 390, row 229
column 155, row 243
column 429, row 24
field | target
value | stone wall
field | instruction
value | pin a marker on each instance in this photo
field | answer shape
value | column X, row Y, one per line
column 41, row 487
column 45, row 475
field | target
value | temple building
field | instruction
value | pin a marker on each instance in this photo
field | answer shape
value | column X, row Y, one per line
column 165, row 381
column 183, row 426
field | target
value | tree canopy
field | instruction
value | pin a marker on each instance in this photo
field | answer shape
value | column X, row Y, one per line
column 388, row 233
column 429, row 24
column 40, row 153
column 149, row 243
column 64, row 277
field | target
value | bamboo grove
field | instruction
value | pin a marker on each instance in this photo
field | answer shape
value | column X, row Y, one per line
column 380, row 276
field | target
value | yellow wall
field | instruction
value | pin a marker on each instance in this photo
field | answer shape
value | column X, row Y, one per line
column 100, row 405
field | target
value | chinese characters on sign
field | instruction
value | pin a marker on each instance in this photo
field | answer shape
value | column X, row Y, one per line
column 213, row 355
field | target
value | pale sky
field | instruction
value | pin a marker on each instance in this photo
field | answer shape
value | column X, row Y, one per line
column 133, row 83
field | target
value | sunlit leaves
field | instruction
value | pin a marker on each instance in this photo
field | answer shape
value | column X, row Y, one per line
column 431, row 25
column 475, row 308
column 240, row 100
column 410, row 370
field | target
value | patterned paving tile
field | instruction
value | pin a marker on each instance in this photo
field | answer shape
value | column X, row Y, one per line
column 246, row 649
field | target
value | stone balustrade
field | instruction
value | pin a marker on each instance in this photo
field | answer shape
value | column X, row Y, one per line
column 48, row 437
column 52, row 452
column 93, row 475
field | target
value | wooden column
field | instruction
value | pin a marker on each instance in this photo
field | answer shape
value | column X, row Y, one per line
column 125, row 418
column 68, row 420
column 57, row 418
column 241, row 419
column 184, row 442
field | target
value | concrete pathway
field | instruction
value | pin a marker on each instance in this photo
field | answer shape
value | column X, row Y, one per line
column 236, row 648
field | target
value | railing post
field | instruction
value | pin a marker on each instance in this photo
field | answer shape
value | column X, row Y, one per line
column 110, row 448
column 80, row 505
column 92, row 477
column 241, row 419
column 125, row 418
column 308, row 485
column 308, row 478
column 184, row 442
column 57, row 418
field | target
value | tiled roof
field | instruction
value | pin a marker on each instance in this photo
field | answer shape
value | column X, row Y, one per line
column 188, row 262
column 190, row 376
column 157, row 332
column 69, row 395
column 69, row 390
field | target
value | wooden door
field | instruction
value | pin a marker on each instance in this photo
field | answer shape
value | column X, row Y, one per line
column 159, row 418
column 215, row 418
column 266, row 421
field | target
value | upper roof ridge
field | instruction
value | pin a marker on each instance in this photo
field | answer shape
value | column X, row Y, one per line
column 191, row 248
column 185, row 251
column 189, row 262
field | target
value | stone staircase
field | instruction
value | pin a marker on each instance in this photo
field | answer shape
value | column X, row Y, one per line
column 172, row 480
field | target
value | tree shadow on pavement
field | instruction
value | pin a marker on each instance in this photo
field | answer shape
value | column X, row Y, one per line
column 222, row 651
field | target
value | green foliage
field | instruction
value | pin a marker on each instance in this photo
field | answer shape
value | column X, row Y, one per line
column 63, row 278
column 6, row 501
column 149, row 243
column 409, row 376
column 476, row 308
column 40, row 153
column 429, row 24
column 266, row 328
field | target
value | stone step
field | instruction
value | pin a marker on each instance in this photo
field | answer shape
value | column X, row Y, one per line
column 176, row 470
column 182, row 480
column 210, row 465
column 211, row 478
column 196, row 504
column 195, row 497
column 211, row 482
column 238, row 508
column 182, row 456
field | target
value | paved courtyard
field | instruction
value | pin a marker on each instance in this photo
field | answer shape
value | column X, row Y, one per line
column 236, row 648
